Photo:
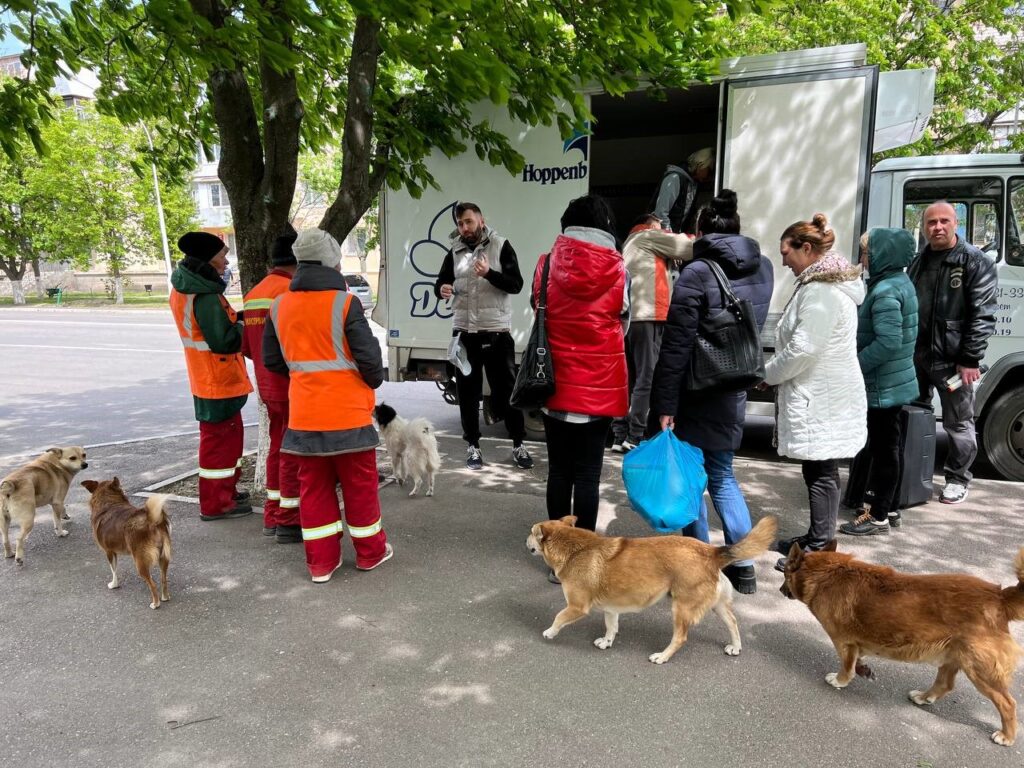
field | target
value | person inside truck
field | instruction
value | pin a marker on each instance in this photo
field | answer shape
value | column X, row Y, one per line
column 682, row 193
column 956, row 293
column 479, row 274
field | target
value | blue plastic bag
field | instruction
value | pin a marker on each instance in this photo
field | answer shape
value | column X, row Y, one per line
column 665, row 480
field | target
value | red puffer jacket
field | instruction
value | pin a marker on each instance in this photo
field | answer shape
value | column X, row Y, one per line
column 585, row 290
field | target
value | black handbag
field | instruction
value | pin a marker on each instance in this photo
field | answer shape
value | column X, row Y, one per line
column 727, row 354
column 535, row 382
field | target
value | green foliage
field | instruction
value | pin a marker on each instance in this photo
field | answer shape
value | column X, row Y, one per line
column 83, row 202
column 975, row 47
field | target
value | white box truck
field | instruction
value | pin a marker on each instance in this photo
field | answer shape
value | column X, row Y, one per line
column 793, row 134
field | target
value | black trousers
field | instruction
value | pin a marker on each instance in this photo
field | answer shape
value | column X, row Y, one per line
column 575, row 458
column 822, row 481
column 883, row 448
column 493, row 353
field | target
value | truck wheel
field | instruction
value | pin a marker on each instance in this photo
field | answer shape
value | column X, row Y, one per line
column 1004, row 434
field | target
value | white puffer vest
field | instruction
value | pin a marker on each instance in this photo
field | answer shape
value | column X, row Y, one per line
column 822, row 406
column 478, row 305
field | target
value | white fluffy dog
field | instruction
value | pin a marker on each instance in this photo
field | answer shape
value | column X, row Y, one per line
column 412, row 447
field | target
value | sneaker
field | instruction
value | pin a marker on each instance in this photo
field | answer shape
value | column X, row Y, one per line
column 474, row 459
column 629, row 445
column 865, row 525
column 269, row 530
column 240, row 511
column 241, row 497
column 288, row 534
column 895, row 519
column 742, row 578
column 782, row 546
column 388, row 552
column 552, row 577
column 522, row 457
column 327, row 576
column 953, row 493
column 617, row 446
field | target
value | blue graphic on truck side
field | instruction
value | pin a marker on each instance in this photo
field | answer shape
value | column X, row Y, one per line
column 426, row 256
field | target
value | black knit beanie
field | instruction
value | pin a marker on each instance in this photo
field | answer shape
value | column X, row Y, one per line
column 281, row 251
column 201, row 246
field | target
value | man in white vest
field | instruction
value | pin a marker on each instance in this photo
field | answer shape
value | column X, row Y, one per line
column 479, row 274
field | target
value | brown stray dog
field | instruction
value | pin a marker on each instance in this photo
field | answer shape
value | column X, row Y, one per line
column 621, row 575
column 42, row 481
column 954, row 621
column 142, row 532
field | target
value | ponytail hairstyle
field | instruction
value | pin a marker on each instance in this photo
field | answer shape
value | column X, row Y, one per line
column 720, row 216
column 817, row 232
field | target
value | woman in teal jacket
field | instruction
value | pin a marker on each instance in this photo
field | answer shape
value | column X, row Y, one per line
column 886, row 334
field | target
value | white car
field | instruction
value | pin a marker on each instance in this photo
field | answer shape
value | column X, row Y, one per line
column 359, row 288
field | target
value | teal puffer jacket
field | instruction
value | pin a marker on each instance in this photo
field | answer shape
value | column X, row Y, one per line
column 887, row 321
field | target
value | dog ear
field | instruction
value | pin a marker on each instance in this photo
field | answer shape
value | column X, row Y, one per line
column 115, row 483
column 795, row 557
column 58, row 452
column 90, row 485
column 830, row 547
column 538, row 532
column 569, row 520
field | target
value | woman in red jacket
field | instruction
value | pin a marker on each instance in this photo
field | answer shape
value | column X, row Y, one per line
column 587, row 307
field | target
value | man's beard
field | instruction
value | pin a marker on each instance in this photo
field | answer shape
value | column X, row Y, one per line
column 473, row 238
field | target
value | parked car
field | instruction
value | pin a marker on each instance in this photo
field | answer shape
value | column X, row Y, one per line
column 360, row 289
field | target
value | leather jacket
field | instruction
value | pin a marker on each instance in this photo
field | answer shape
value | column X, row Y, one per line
column 964, row 307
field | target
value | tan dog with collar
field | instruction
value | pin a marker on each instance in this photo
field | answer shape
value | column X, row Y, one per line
column 42, row 481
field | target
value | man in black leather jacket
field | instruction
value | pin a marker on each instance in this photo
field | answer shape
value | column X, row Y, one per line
column 956, row 292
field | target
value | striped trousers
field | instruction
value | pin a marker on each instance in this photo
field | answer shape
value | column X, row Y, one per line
column 321, row 518
column 220, row 454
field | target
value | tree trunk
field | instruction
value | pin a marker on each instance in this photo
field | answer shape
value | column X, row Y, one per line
column 115, row 271
column 39, row 278
column 18, row 291
column 262, row 448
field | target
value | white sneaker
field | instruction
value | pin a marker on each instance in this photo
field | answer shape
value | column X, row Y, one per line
column 617, row 446
column 388, row 554
column 327, row 576
column 628, row 446
column 953, row 493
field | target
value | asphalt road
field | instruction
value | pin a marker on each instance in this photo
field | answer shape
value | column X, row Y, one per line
column 435, row 659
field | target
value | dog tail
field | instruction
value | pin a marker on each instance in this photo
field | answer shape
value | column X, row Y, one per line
column 760, row 538
column 155, row 511
column 7, row 488
column 1013, row 597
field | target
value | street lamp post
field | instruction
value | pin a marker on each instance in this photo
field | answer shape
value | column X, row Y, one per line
column 159, row 210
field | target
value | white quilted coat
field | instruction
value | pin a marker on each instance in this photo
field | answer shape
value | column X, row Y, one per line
column 822, row 407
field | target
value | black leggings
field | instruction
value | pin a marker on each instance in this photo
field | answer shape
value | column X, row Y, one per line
column 822, row 481
column 575, row 458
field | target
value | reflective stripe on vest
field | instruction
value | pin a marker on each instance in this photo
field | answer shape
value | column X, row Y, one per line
column 365, row 531
column 186, row 324
column 321, row 532
column 341, row 361
column 257, row 304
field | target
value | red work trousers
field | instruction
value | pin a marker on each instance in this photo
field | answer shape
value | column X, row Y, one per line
column 220, row 451
column 282, row 507
column 321, row 517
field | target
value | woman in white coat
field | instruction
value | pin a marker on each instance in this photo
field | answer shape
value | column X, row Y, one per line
column 821, row 403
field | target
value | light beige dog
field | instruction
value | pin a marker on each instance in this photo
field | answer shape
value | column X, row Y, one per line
column 620, row 575
column 40, row 482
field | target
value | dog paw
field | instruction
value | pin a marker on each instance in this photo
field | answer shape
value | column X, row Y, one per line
column 20, row 560
column 919, row 698
column 430, row 493
column 733, row 650
column 113, row 585
column 604, row 642
column 66, row 516
column 832, row 678
column 1000, row 738
column 550, row 633
column 154, row 606
column 166, row 597
column 61, row 534
column 659, row 658
column 8, row 554
column 411, row 494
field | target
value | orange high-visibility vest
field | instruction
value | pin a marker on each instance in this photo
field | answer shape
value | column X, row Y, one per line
column 325, row 392
column 272, row 386
column 212, row 375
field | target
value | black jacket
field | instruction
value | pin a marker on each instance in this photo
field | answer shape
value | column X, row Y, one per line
column 964, row 306
column 710, row 420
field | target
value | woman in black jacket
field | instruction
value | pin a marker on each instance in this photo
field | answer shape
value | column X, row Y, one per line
column 712, row 421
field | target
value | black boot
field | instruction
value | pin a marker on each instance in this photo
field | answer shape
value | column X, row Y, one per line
column 742, row 578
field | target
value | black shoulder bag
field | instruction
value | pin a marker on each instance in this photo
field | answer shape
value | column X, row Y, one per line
column 727, row 354
column 535, row 382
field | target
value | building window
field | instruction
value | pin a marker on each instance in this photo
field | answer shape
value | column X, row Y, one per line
column 217, row 196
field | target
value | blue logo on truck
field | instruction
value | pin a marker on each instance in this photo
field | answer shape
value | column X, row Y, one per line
column 552, row 174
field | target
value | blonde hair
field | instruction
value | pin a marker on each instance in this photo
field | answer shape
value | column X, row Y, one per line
column 816, row 232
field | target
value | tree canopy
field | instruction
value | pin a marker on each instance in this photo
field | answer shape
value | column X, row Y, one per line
column 394, row 79
column 976, row 47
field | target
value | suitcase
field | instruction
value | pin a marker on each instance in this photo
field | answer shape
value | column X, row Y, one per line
column 917, row 462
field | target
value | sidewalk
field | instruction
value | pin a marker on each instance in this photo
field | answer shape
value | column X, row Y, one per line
column 437, row 659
